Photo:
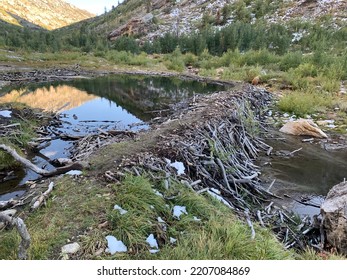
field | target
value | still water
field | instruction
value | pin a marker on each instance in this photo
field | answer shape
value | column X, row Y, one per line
column 112, row 102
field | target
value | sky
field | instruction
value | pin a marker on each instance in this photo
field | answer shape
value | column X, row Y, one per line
column 94, row 6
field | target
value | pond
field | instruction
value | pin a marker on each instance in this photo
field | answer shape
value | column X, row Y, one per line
column 307, row 175
column 122, row 102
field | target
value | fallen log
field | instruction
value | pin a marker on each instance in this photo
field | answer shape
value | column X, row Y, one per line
column 27, row 163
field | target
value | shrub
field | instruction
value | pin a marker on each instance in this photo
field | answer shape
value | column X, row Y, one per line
column 175, row 61
column 290, row 60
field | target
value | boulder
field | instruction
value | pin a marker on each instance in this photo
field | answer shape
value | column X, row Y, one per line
column 334, row 217
column 303, row 127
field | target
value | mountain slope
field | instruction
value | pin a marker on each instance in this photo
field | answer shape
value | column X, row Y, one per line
column 41, row 13
column 150, row 19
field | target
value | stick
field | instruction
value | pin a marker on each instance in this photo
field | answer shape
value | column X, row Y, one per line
column 23, row 161
column 43, row 197
column 272, row 183
column 38, row 170
column 224, row 173
column 23, row 232
column 293, row 152
column 249, row 222
column 260, row 218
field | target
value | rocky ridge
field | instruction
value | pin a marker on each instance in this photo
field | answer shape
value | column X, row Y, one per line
column 41, row 13
column 184, row 16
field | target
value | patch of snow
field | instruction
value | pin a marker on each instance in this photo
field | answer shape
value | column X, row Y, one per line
column 178, row 211
column 74, row 173
column 173, row 240
column 120, row 209
column 160, row 220
column 115, row 245
column 179, row 166
column 70, row 248
column 331, row 126
column 6, row 113
column 196, row 219
column 154, row 251
column 158, row 193
column 152, row 241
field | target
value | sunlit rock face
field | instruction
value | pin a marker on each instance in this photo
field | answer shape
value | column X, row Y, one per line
column 41, row 14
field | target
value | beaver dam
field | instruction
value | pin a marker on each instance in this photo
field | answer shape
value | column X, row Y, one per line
column 209, row 143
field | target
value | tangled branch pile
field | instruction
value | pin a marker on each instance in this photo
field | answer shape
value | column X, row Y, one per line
column 217, row 143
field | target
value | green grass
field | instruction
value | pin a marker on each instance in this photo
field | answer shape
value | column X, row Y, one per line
column 302, row 103
column 219, row 234
column 75, row 210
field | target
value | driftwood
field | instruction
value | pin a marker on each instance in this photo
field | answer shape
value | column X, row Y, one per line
column 23, row 232
column 28, row 164
column 43, row 197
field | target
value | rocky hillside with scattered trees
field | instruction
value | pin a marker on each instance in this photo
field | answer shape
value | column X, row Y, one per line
column 40, row 13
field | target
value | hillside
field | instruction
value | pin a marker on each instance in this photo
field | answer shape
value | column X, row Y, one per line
column 153, row 18
column 41, row 13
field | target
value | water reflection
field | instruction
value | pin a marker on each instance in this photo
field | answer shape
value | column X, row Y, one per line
column 49, row 98
column 87, row 105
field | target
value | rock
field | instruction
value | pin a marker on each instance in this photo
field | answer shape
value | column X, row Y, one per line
column 135, row 26
column 303, row 127
column 334, row 213
column 255, row 80
column 70, row 248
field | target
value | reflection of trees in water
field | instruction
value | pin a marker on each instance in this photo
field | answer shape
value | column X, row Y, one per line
column 49, row 98
column 139, row 94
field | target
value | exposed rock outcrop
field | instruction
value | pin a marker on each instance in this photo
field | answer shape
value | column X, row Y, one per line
column 334, row 217
column 135, row 26
column 303, row 127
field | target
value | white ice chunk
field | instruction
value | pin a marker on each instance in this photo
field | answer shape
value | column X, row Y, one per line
column 173, row 240
column 158, row 193
column 179, row 166
column 6, row 113
column 154, row 251
column 152, row 241
column 74, row 172
column 120, row 209
column 178, row 211
column 115, row 245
